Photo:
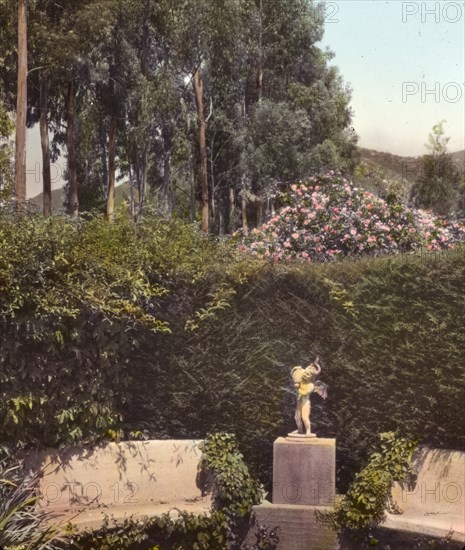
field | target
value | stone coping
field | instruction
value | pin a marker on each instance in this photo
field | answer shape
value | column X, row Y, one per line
column 434, row 526
column 93, row 518
column 307, row 440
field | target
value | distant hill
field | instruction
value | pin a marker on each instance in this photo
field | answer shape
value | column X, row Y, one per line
column 459, row 158
column 121, row 192
column 57, row 200
column 393, row 166
column 378, row 166
column 403, row 168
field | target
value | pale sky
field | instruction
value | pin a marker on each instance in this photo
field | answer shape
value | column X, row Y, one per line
column 405, row 62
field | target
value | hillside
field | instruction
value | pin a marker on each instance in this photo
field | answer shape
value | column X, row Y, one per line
column 405, row 168
column 393, row 166
column 121, row 191
column 377, row 166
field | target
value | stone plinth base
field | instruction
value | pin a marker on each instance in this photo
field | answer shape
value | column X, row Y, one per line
column 304, row 471
column 296, row 527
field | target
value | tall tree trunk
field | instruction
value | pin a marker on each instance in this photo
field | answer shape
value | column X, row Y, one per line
column 143, row 169
column 268, row 208
column 245, row 223
column 104, row 158
column 73, row 204
column 260, row 55
column 221, row 215
column 111, row 169
column 260, row 82
column 131, row 194
column 232, row 210
column 192, row 190
column 45, row 145
column 166, row 183
column 259, row 211
column 21, row 105
column 213, row 202
column 202, row 146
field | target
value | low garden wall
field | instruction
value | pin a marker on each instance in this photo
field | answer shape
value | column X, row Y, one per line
column 434, row 504
column 120, row 480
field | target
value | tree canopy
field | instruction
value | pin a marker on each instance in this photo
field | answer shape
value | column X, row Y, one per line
column 440, row 185
column 210, row 104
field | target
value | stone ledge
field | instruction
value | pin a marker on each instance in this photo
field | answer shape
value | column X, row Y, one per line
column 437, row 526
column 93, row 518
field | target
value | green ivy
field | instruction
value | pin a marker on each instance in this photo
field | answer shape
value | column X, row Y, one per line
column 363, row 506
column 235, row 491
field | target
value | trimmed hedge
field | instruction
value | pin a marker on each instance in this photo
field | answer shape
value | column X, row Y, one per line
column 156, row 331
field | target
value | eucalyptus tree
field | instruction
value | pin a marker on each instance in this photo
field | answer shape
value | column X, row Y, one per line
column 7, row 95
column 191, row 23
column 208, row 40
column 115, row 66
column 56, row 75
column 21, row 106
column 305, row 101
column 6, row 173
column 157, row 113
column 46, row 68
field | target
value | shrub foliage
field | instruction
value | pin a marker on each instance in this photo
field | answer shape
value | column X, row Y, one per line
column 109, row 329
column 364, row 505
column 328, row 218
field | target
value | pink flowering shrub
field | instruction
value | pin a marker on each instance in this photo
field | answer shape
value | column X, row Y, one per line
column 327, row 217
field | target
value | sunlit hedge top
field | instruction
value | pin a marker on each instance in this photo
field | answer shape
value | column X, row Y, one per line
column 327, row 217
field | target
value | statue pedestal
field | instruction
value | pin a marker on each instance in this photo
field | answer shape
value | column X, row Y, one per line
column 304, row 471
column 304, row 482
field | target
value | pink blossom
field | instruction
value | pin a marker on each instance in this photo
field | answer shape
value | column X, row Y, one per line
column 330, row 220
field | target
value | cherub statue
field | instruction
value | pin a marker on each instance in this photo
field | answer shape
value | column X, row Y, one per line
column 305, row 384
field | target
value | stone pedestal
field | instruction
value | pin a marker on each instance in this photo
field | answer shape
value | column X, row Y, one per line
column 296, row 527
column 304, row 482
column 304, row 471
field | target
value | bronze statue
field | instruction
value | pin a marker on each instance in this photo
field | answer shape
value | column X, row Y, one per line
column 305, row 383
